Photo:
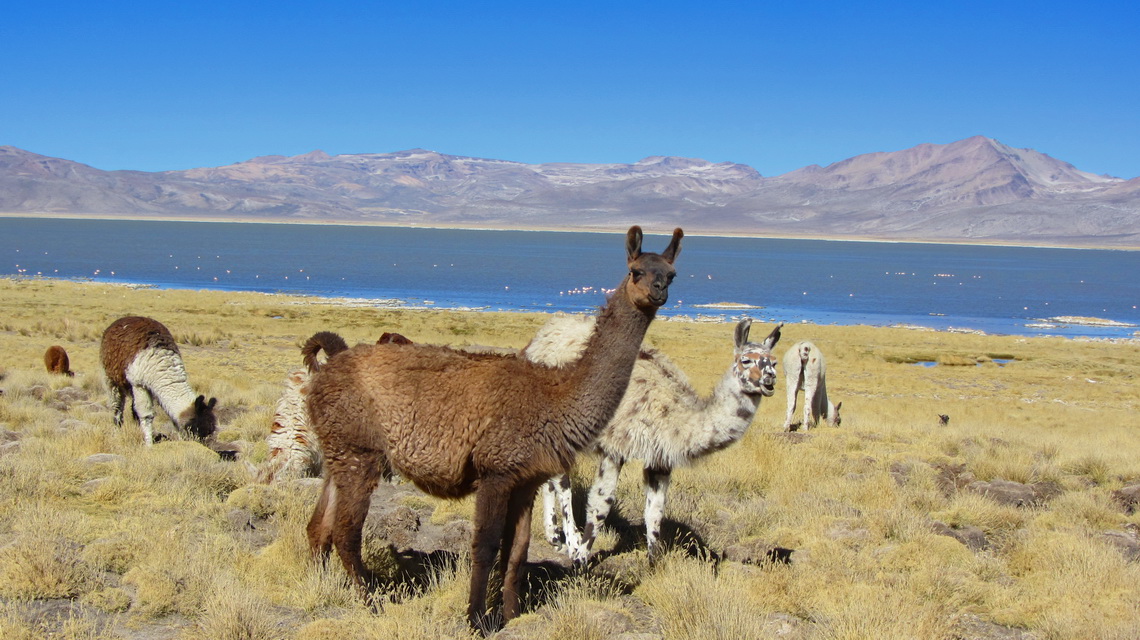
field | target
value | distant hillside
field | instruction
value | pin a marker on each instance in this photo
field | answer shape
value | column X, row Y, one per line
column 976, row 189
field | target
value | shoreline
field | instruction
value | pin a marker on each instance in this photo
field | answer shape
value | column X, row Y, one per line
column 724, row 312
column 585, row 229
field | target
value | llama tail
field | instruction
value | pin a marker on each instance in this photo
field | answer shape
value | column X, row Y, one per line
column 330, row 342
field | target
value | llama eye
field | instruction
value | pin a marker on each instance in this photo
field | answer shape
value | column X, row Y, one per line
column 636, row 273
column 670, row 278
column 746, row 362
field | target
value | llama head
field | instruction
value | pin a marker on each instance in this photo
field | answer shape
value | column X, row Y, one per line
column 755, row 366
column 392, row 338
column 650, row 274
column 203, row 422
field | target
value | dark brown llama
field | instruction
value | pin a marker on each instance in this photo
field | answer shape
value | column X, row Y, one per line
column 56, row 361
column 455, row 422
column 141, row 358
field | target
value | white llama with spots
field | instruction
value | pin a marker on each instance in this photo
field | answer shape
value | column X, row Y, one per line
column 661, row 421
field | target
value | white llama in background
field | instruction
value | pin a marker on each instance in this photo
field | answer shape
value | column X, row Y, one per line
column 661, row 421
column 294, row 451
column 141, row 358
column 805, row 368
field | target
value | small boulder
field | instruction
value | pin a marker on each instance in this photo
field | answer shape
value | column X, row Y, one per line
column 971, row 626
column 102, row 458
column 1128, row 498
column 971, row 536
column 1015, row 493
column 1125, row 543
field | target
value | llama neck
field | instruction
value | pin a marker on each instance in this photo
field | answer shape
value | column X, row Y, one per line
column 601, row 375
column 725, row 416
column 162, row 373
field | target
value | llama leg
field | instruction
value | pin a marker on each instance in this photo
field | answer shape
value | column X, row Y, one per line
column 792, row 385
column 355, row 478
column 599, row 502
column 656, row 486
column 490, row 519
column 118, row 400
column 549, row 522
column 516, row 542
column 570, row 535
column 321, row 524
column 809, row 403
column 143, row 404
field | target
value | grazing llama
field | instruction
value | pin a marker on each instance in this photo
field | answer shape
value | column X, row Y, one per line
column 456, row 423
column 56, row 361
column 661, row 421
column 141, row 358
column 293, row 448
column 805, row 368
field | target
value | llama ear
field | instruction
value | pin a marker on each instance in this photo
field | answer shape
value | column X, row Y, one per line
column 213, row 401
column 633, row 243
column 199, row 402
column 674, row 248
column 773, row 337
column 742, row 329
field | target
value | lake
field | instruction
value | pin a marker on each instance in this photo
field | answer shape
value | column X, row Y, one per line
column 1006, row 290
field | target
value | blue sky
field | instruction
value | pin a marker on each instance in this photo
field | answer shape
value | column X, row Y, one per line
column 776, row 85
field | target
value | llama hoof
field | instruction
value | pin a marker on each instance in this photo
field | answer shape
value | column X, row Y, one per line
column 580, row 557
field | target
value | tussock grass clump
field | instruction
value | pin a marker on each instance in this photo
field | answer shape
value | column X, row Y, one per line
column 171, row 537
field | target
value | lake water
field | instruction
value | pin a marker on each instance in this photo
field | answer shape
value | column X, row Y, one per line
column 1003, row 290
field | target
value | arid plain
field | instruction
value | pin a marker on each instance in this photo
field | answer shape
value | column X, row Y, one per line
column 1017, row 519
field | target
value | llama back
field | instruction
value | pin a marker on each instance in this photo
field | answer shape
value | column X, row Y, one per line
column 367, row 395
column 56, row 361
column 658, row 391
column 561, row 340
column 126, row 338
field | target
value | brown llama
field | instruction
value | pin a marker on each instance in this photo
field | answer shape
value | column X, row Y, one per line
column 456, row 423
column 56, row 361
column 141, row 358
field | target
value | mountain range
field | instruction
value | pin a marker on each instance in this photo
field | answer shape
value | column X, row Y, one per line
column 972, row 190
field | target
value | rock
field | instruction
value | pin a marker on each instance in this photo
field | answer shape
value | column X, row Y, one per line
column 971, row 536
column 227, row 450
column 397, row 524
column 782, row 625
column 1015, row 493
column 71, row 395
column 256, row 531
column 1124, row 542
column 102, row 458
column 70, row 424
column 91, row 486
column 970, row 627
column 1128, row 497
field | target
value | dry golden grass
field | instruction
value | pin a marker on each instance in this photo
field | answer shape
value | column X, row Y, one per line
column 142, row 537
